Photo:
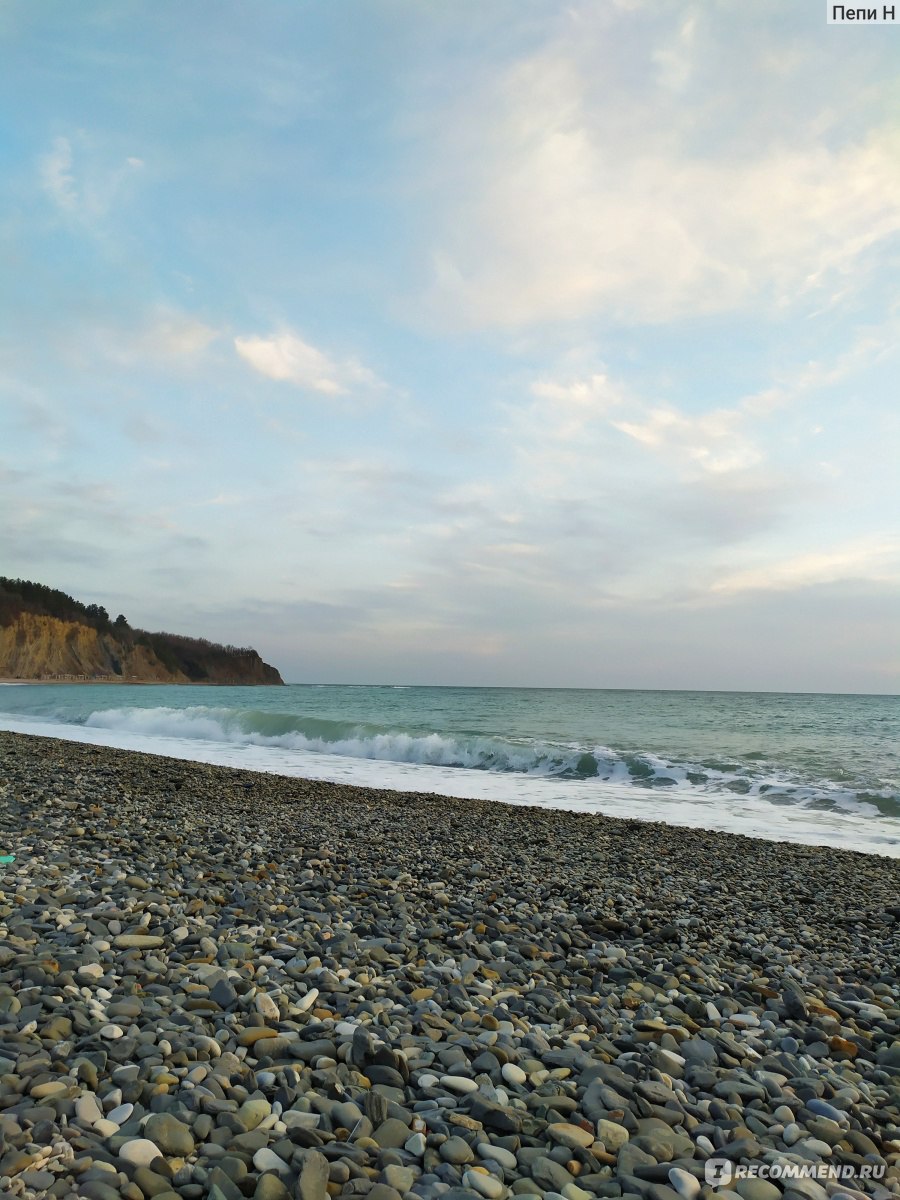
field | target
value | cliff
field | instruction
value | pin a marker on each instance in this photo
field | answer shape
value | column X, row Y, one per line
column 73, row 644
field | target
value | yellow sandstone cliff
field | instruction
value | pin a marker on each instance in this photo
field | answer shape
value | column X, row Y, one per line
column 38, row 647
column 35, row 646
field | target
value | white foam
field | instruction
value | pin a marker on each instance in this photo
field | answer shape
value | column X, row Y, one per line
column 678, row 805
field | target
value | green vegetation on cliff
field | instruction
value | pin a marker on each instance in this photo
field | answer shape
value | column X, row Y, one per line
column 46, row 634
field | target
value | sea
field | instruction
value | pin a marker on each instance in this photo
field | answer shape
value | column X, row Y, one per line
column 817, row 769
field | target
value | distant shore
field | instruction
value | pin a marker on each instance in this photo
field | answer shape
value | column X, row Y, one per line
column 320, row 990
column 129, row 682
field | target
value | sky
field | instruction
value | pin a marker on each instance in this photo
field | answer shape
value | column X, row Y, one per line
column 512, row 343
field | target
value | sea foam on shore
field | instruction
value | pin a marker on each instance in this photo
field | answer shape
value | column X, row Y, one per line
column 219, row 983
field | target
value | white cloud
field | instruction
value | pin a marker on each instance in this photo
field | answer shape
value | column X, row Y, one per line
column 56, row 175
column 870, row 346
column 873, row 559
column 565, row 197
column 286, row 357
column 593, row 394
column 87, row 189
column 167, row 335
column 715, row 441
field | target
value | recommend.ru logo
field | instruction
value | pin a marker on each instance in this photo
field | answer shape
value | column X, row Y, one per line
column 720, row 1172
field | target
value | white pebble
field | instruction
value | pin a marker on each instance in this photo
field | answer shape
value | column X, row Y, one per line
column 505, row 1158
column 267, row 1160
column 815, row 1146
column 294, row 1119
column 458, row 1083
column 308, row 1000
column 684, row 1183
column 484, row 1185
column 140, row 1152
column 571, row 1191
column 513, row 1074
column 120, row 1114
column 87, row 1109
column 266, row 1006
column 91, row 971
column 111, row 1032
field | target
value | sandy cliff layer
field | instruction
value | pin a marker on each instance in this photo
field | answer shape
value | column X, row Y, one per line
column 43, row 647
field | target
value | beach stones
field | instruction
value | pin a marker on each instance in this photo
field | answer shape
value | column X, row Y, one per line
column 457, row 1151
column 458, row 1084
column 313, row 1181
column 267, row 1160
column 138, row 941
column 684, row 1183
column 485, row 1185
column 612, row 1135
column 87, row 1108
column 499, row 1154
column 572, row 1136
column 513, row 1074
column 139, row 1152
column 173, row 1136
column 369, row 998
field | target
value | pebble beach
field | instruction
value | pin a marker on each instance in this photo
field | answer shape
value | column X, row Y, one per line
column 219, row 983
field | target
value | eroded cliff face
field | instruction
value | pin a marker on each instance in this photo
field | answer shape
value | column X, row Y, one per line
column 42, row 647
column 38, row 647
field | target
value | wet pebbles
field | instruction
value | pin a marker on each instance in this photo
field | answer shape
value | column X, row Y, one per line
column 221, row 984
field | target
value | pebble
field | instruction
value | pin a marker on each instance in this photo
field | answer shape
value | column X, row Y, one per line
column 416, row 1144
column 572, row 1136
column 458, row 1083
column 456, row 1150
column 484, row 1185
column 139, row 1152
column 513, row 1074
column 684, row 1183
column 499, row 1154
column 267, row 1160
column 266, row 1006
column 87, row 1108
column 286, row 989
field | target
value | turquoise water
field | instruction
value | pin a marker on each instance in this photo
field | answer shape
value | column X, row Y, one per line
column 804, row 767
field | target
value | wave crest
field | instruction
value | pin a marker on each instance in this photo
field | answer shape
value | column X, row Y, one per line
column 248, row 727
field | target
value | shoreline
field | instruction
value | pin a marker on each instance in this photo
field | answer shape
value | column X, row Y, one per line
column 131, row 683
column 266, row 985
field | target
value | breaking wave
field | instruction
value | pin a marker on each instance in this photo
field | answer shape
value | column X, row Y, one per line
column 752, row 778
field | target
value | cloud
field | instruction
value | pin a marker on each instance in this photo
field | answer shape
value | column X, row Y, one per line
column 870, row 346
column 166, row 334
column 88, row 189
column 287, row 358
column 56, row 175
column 713, row 441
column 875, row 559
column 552, row 209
